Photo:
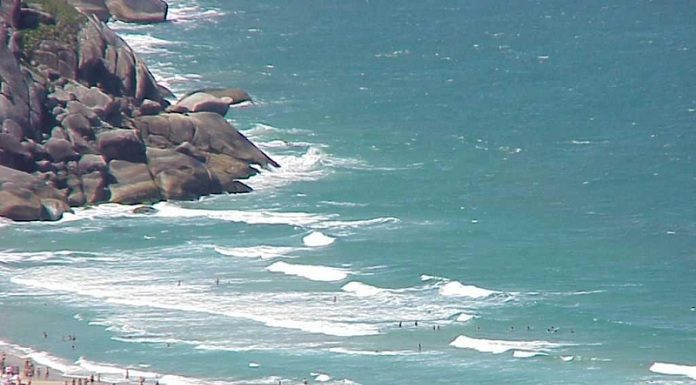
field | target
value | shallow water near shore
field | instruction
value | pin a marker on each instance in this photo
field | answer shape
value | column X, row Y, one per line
column 471, row 193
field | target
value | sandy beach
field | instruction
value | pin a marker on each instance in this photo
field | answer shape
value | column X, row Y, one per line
column 54, row 377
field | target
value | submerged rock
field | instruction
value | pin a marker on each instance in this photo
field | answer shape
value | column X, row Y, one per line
column 145, row 210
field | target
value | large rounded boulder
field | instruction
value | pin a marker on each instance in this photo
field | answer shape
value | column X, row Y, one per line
column 138, row 11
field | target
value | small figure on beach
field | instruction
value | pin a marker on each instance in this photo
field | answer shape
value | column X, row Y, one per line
column 127, row 374
column 46, row 375
column 73, row 381
column 91, row 378
column 38, row 372
column 45, row 335
column 415, row 323
column 217, row 281
column 178, row 283
column 420, row 348
column 399, row 323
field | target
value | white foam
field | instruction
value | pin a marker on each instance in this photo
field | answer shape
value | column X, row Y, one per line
column 456, row 289
column 253, row 364
column 567, row 358
column 500, row 346
column 106, row 210
column 311, row 272
column 361, row 289
column 307, row 166
column 246, row 307
column 170, row 210
column 426, row 277
column 339, row 329
column 527, row 354
column 146, row 43
column 186, row 14
column 674, row 369
column 317, row 239
column 36, row 256
column 262, row 251
column 321, row 377
column 464, row 317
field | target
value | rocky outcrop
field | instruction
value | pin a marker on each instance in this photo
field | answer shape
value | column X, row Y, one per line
column 216, row 100
column 92, row 7
column 202, row 102
column 83, row 121
column 26, row 197
column 133, row 11
column 138, row 11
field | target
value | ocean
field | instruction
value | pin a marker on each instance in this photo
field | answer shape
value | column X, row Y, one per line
column 471, row 192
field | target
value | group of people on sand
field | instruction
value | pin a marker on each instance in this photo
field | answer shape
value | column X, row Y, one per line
column 11, row 374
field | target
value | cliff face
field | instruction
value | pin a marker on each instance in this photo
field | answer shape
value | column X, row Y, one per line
column 83, row 121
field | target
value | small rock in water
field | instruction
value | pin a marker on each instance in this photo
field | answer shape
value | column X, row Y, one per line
column 147, row 210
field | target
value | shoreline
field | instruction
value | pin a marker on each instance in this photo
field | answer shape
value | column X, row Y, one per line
column 21, row 357
column 39, row 376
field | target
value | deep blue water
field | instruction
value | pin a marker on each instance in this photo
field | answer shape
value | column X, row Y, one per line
column 528, row 164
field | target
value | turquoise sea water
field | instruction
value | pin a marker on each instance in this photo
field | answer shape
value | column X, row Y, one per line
column 516, row 177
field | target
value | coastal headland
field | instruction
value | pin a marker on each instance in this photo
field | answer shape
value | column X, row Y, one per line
column 83, row 121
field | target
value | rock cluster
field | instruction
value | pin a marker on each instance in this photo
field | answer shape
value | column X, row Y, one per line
column 134, row 11
column 83, row 121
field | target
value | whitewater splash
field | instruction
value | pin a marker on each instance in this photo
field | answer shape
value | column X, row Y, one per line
column 456, row 289
column 317, row 239
column 361, row 289
column 311, row 272
column 502, row 346
column 450, row 288
column 464, row 317
column 307, row 166
column 674, row 369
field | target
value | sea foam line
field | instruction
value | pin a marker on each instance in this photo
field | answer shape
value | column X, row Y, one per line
column 674, row 369
column 311, row 272
column 501, row 346
column 450, row 288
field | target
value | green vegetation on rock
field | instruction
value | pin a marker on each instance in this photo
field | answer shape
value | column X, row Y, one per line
column 68, row 24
